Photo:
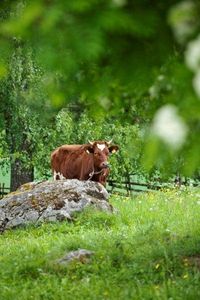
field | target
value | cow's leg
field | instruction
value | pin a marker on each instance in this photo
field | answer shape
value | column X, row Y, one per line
column 58, row 176
column 61, row 176
column 55, row 175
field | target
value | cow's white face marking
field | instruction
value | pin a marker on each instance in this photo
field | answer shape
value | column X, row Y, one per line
column 101, row 146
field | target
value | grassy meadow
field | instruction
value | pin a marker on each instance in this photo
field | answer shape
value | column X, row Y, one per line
column 149, row 249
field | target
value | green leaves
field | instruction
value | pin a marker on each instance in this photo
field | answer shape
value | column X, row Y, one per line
column 116, row 59
column 76, row 36
column 184, row 19
column 21, row 19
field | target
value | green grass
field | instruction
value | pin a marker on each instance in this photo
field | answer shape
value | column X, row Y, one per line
column 147, row 250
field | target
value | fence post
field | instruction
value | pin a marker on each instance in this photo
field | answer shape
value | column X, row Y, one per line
column 3, row 190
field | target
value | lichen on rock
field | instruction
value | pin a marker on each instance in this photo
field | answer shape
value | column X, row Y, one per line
column 51, row 201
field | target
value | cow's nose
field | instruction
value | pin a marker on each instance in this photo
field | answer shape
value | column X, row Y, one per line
column 105, row 165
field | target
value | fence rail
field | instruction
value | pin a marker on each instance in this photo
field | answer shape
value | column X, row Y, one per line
column 3, row 190
column 133, row 186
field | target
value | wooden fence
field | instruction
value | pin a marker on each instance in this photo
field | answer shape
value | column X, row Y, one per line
column 3, row 190
column 131, row 186
column 135, row 186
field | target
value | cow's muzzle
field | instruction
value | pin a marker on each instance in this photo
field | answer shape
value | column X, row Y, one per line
column 105, row 165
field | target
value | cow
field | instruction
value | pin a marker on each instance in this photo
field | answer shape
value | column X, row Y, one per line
column 83, row 162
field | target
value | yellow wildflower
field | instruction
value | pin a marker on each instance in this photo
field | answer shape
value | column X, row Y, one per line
column 157, row 266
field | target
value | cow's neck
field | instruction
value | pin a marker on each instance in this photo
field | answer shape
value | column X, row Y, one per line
column 94, row 173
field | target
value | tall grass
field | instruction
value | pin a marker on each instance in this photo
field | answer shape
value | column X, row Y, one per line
column 149, row 249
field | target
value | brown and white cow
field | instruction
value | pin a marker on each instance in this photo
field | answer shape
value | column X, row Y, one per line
column 83, row 162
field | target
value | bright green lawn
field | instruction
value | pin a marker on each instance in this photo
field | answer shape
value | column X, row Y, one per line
column 150, row 249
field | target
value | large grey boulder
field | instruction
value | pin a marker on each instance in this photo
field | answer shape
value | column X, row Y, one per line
column 50, row 201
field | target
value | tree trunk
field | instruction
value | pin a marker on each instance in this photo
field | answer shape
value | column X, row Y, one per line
column 20, row 174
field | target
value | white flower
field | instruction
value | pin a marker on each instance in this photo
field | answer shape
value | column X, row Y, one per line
column 161, row 77
column 192, row 55
column 105, row 102
column 119, row 3
column 153, row 91
column 183, row 20
column 169, row 127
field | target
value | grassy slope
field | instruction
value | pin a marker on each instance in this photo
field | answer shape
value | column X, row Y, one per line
column 146, row 251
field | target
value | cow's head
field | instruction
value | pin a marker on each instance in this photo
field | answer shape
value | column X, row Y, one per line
column 101, row 151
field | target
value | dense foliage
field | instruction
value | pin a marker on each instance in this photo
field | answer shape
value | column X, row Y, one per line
column 68, row 130
column 129, row 64
column 126, row 165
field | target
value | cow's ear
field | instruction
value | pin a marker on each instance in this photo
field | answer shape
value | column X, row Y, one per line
column 113, row 148
column 89, row 149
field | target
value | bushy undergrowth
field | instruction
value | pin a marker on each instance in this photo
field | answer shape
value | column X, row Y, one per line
column 69, row 130
column 149, row 249
column 129, row 164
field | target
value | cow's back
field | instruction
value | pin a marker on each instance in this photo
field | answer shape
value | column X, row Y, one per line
column 63, row 158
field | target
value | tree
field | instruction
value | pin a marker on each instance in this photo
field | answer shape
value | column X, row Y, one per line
column 19, row 121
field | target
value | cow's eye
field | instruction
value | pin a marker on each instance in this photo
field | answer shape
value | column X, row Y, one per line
column 97, row 154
